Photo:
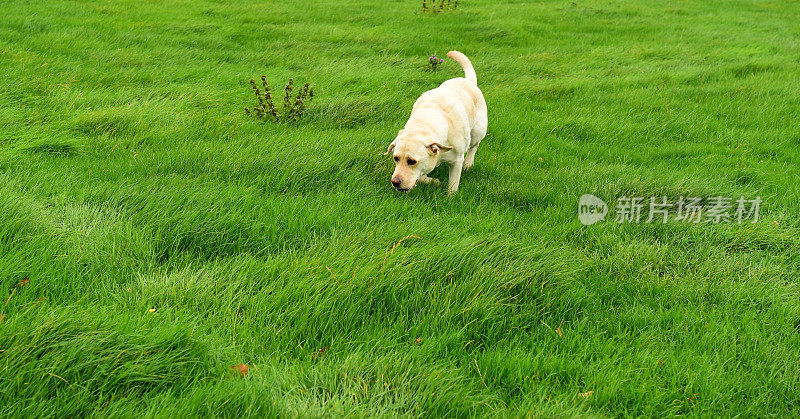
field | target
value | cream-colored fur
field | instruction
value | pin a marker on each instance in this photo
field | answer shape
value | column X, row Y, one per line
column 446, row 125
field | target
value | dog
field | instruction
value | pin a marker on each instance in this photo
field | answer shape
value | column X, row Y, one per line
column 446, row 125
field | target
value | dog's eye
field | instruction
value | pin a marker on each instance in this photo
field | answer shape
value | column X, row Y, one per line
column 411, row 162
column 396, row 158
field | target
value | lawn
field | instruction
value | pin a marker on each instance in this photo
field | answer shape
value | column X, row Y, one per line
column 156, row 241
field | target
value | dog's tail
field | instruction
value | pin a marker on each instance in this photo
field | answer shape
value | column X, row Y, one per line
column 463, row 61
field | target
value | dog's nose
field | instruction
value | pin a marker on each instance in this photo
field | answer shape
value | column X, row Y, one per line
column 396, row 182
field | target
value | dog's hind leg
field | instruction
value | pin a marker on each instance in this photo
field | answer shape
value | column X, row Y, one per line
column 476, row 134
column 469, row 160
column 455, row 176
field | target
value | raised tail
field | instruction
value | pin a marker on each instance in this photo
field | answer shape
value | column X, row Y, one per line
column 463, row 61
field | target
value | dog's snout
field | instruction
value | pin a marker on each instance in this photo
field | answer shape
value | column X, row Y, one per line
column 396, row 182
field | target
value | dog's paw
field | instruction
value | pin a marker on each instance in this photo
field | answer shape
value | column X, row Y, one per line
column 430, row 180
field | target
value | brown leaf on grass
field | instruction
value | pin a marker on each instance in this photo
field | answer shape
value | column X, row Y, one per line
column 587, row 394
column 242, row 369
column 24, row 281
column 418, row 341
column 319, row 352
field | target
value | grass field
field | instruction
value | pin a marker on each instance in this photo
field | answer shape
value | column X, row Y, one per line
column 153, row 236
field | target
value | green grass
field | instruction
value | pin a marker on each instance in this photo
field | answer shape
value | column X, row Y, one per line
column 131, row 180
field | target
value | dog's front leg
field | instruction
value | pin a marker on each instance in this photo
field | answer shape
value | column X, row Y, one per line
column 455, row 175
column 426, row 179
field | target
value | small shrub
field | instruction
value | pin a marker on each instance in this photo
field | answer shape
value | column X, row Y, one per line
column 438, row 6
column 433, row 63
column 294, row 105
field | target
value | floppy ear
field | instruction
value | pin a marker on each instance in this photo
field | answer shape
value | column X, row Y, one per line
column 391, row 146
column 435, row 147
column 390, row 149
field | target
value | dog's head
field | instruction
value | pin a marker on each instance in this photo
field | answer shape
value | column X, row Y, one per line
column 415, row 155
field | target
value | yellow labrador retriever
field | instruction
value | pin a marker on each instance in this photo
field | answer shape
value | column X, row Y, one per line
column 446, row 125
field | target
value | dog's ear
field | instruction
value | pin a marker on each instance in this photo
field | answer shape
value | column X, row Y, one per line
column 390, row 149
column 391, row 146
column 435, row 147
